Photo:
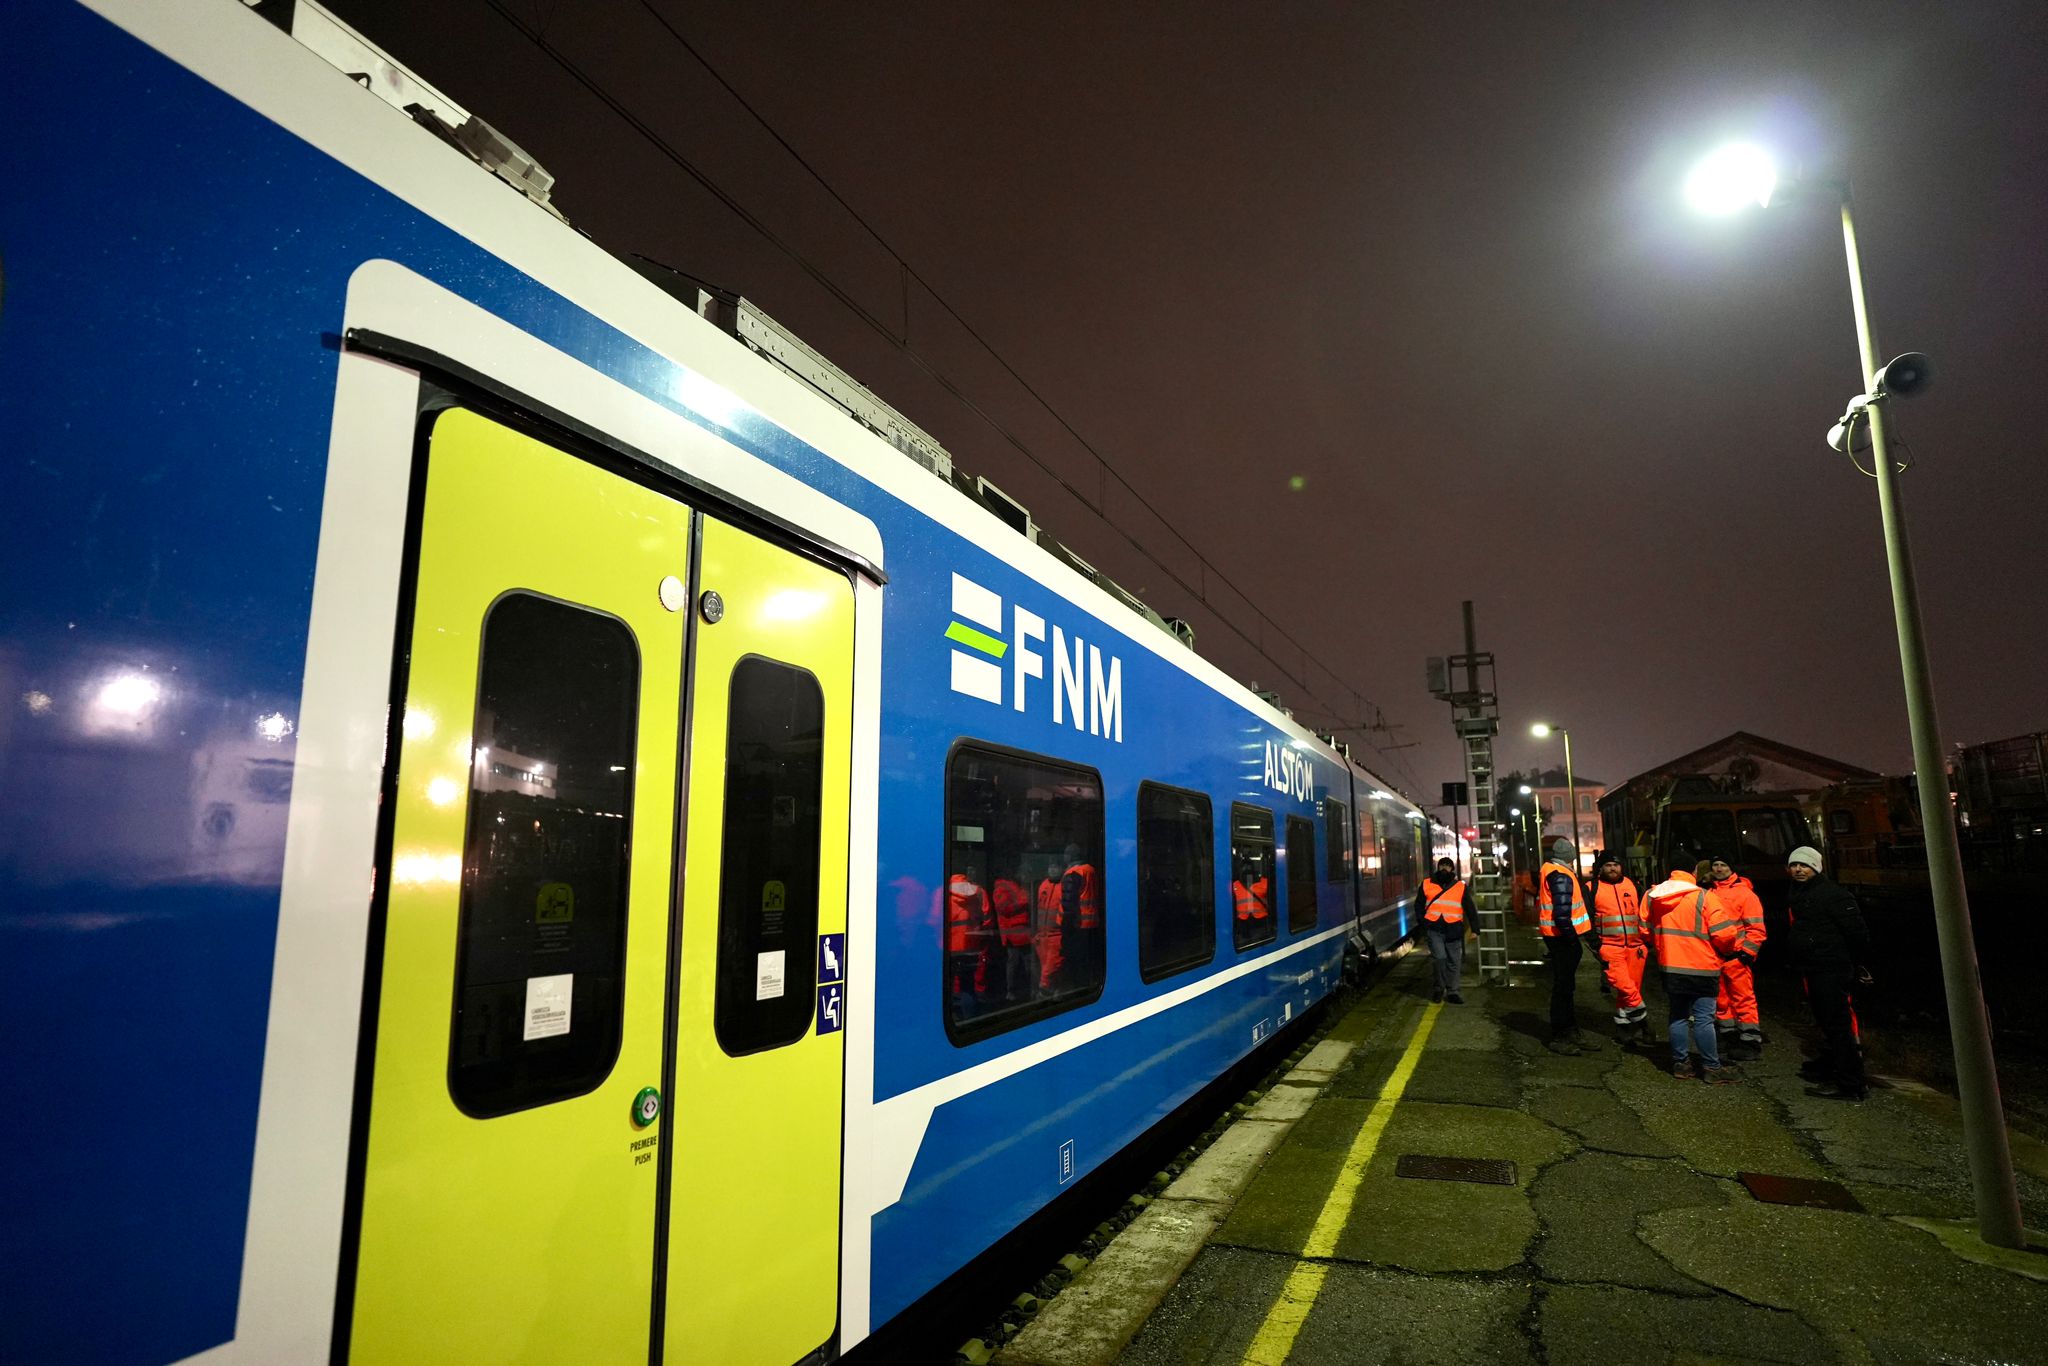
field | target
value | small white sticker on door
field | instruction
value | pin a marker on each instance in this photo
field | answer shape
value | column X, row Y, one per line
column 768, row 975
column 547, row 1006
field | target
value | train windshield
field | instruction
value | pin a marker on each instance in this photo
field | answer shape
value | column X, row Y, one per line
column 1697, row 835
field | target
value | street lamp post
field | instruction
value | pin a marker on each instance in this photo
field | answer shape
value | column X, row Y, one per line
column 1733, row 179
column 1535, row 833
column 1571, row 791
column 1514, row 838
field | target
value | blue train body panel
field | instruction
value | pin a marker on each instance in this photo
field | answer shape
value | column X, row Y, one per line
column 174, row 273
column 998, row 1155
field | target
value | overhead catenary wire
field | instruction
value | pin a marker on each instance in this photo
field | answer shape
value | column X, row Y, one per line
column 899, row 337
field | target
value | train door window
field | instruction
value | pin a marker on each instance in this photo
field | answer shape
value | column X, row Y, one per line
column 1337, row 840
column 1251, row 876
column 541, row 930
column 1766, row 837
column 1022, row 906
column 768, row 866
column 1369, row 845
column 1176, row 881
column 1301, row 875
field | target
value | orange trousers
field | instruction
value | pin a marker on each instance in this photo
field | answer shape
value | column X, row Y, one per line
column 1624, row 964
column 1735, row 1003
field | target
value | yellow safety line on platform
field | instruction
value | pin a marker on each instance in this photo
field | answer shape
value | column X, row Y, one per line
column 1276, row 1335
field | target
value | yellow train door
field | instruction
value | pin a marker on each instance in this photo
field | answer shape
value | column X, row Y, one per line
column 752, row 1246
column 604, row 1105
column 508, row 1188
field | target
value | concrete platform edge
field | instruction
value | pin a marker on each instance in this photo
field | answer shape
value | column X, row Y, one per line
column 1094, row 1319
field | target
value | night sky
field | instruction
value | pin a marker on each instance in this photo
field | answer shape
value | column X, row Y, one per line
column 1384, row 307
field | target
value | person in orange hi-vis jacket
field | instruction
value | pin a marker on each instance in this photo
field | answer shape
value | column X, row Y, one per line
column 1017, row 979
column 1081, row 922
column 1691, row 933
column 1045, row 928
column 1735, row 1016
column 1623, row 931
column 970, row 932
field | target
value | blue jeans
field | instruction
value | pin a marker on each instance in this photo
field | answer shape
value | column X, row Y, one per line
column 1694, row 1008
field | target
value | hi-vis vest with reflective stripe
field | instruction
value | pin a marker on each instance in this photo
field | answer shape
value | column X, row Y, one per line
column 1251, row 903
column 1443, row 903
column 966, row 915
column 1618, row 911
column 1738, row 894
column 1091, row 896
column 1013, row 912
column 1546, row 914
column 1692, row 930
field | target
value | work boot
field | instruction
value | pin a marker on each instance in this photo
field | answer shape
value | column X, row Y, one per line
column 1837, row 1091
column 1455, row 999
column 1682, row 1070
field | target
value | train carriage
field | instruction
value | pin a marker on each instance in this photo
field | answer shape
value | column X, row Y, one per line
column 537, row 836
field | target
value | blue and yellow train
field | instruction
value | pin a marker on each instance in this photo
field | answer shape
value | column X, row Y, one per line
column 532, row 833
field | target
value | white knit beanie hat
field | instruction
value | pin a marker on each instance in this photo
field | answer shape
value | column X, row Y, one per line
column 1805, row 854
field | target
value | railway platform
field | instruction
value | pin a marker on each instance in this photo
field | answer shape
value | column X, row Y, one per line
column 1598, row 1210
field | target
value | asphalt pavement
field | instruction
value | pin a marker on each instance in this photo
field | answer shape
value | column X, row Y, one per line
column 1624, row 1233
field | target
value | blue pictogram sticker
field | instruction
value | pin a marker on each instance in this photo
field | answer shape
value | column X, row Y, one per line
column 831, row 1008
column 831, row 957
column 1066, row 1161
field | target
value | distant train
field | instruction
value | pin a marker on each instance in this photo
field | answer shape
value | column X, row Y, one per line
column 533, row 834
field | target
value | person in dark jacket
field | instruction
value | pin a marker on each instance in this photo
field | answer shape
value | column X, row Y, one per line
column 1830, row 945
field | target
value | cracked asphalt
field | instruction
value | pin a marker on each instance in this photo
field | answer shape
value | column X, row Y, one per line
column 1626, row 1237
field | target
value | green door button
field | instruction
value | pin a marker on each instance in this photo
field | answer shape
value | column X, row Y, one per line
column 646, row 1107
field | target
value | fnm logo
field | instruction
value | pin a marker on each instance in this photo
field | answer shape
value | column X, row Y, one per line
column 1085, row 694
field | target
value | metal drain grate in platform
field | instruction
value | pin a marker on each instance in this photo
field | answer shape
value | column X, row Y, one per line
column 1483, row 1171
column 1797, row 1190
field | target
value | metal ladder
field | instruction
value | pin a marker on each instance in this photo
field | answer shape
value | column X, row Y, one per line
column 1475, row 715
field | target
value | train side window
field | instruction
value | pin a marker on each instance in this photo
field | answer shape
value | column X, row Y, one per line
column 541, row 930
column 1301, row 874
column 1337, row 840
column 1022, row 907
column 1176, row 881
column 1251, row 876
column 768, row 865
column 1397, row 866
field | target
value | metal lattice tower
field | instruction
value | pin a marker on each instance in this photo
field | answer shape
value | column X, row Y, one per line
column 1466, row 682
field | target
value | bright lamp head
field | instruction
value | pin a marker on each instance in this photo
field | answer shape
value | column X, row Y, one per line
column 1732, row 179
column 1540, row 729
